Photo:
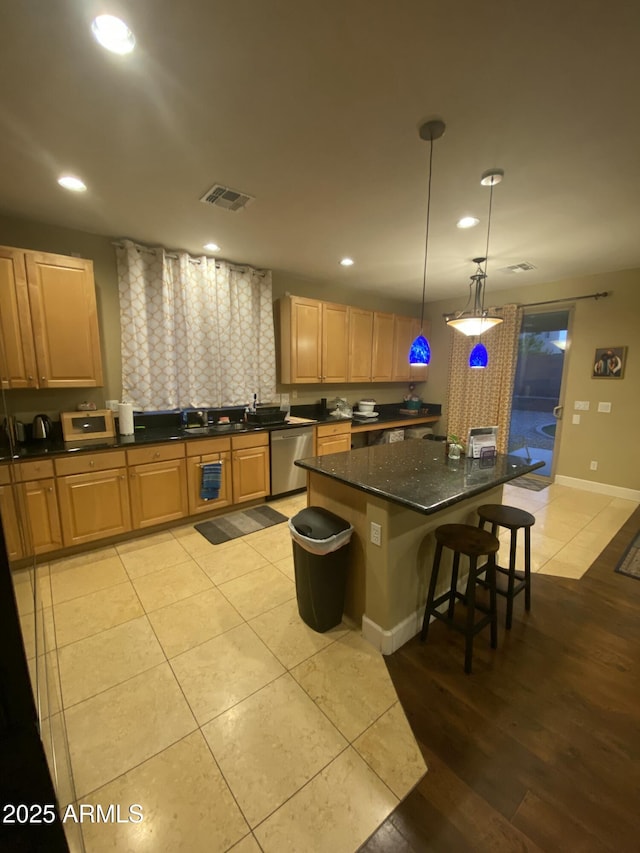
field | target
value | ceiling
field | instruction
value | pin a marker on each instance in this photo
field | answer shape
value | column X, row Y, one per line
column 313, row 107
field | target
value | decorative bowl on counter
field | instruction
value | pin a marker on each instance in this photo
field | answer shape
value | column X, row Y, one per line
column 366, row 405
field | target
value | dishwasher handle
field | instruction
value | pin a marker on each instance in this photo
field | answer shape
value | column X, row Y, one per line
column 290, row 434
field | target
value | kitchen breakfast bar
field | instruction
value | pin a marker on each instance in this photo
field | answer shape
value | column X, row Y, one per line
column 408, row 488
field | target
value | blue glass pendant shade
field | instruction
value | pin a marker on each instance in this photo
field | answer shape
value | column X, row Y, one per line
column 479, row 356
column 420, row 352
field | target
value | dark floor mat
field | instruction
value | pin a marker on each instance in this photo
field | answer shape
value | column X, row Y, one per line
column 630, row 563
column 236, row 524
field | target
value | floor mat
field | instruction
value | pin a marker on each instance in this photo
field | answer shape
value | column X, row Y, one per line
column 236, row 524
column 630, row 562
column 531, row 483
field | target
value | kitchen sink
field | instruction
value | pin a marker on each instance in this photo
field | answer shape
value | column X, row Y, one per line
column 215, row 429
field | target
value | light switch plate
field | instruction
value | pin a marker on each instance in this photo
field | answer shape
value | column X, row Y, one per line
column 581, row 405
column 604, row 407
column 575, row 419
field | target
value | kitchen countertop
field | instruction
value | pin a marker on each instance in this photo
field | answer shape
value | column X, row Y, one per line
column 56, row 447
column 417, row 474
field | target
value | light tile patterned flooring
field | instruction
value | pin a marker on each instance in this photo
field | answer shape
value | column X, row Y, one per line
column 191, row 686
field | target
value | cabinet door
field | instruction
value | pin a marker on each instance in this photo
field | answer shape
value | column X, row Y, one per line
column 158, row 492
column 65, row 321
column 360, row 344
column 196, row 504
column 43, row 521
column 382, row 349
column 13, row 540
column 301, row 340
column 402, row 339
column 334, row 444
column 250, row 474
column 335, row 342
column 17, row 355
column 93, row 506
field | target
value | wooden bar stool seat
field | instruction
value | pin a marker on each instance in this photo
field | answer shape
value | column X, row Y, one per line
column 473, row 542
column 514, row 519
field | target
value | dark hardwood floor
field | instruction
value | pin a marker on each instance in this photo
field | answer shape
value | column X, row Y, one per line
column 538, row 749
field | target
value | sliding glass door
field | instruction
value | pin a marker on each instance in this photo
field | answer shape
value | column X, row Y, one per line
column 536, row 414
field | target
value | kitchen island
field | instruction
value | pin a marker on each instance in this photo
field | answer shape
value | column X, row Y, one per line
column 408, row 489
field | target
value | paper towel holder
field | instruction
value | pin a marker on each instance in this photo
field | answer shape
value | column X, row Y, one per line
column 80, row 426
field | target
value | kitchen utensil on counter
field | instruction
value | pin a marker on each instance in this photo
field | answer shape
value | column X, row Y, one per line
column 14, row 430
column 41, row 427
column 366, row 405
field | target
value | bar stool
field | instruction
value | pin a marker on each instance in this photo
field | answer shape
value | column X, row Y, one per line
column 513, row 519
column 473, row 543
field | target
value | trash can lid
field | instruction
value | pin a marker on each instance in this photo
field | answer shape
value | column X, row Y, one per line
column 316, row 522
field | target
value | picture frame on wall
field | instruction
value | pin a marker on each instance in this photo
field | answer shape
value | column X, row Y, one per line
column 609, row 363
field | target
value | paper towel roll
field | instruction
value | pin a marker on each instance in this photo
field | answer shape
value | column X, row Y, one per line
column 125, row 418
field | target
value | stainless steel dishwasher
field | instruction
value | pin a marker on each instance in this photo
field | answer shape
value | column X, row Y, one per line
column 286, row 446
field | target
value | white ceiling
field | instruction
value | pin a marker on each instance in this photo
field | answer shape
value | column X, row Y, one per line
column 313, row 106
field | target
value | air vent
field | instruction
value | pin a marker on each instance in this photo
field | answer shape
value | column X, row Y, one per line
column 226, row 198
column 523, row 267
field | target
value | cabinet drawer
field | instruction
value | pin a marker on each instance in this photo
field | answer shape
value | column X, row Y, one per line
column 155, row 453
column 90, row 462
column 36, row 470
column 208, row 445
column 5, row 475
column 333, row 429
column 251, row 439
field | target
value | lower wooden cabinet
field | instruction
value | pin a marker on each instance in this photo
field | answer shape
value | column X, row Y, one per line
column 93, row 496
column 199, row 453
column 333, row 438
column 8, row 511
column 157, row 484
column 40, row 503
column 250, row 464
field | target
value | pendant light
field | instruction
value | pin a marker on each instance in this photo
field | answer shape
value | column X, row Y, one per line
column 420, row 352
column 479, row 356
column 478, row 320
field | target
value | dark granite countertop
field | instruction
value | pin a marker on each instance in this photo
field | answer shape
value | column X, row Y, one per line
column 417, row 474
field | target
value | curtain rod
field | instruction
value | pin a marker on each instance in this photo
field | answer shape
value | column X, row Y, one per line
column 550, row 301
column 568, row 299
column 174, row 257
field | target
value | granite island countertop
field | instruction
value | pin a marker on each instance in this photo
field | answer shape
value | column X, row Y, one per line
column 417, row 474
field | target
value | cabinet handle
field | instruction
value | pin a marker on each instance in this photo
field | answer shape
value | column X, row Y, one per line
column 50, row 489
column 91, row 463
column 156, row 454
column 122, row 476
column 43, row 379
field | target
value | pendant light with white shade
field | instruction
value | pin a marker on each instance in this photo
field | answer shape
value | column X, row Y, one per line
column 479, row 320
column 420, row 352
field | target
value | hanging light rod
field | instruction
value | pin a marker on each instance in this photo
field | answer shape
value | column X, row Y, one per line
column 595, row 296
column 420, row 352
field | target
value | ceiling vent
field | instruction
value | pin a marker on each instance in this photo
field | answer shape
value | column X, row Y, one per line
column 523, row 267
column 226, row 198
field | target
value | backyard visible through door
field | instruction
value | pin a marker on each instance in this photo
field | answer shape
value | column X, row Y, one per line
column 536, row 405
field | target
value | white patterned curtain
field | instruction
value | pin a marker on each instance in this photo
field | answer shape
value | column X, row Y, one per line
column 195, row 332
column 482, row 397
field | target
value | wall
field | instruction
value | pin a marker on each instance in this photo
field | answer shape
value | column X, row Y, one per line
column 608, row 438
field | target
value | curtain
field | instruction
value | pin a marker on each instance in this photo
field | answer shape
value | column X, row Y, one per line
column 195, row 332
column 482, row 397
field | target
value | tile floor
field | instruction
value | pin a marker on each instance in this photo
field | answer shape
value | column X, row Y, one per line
column 190, row 685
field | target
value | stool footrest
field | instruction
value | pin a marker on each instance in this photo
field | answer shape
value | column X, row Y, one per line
column 462, row 626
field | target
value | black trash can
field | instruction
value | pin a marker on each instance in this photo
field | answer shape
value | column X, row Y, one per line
column 320, row 554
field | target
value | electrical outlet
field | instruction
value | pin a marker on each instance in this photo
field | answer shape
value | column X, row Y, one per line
column 294, row 394
column 604, row 407
column 376, row 533
column 581, row 405
column 575, row 419
column 594, row 465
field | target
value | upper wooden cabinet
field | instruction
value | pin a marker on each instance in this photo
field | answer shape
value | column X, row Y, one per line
column 48, row 321
column 314, row 341
column 326, row 342
column 405, row 331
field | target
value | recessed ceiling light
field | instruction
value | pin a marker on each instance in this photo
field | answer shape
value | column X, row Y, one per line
column 467, row 222
column 347, row 262
column 69, row 182
column 211, row 247
column 113, row 34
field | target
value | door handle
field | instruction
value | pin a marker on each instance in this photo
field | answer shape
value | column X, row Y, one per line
column 557, row 412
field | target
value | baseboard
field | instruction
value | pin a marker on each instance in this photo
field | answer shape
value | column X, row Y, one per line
column 389, row 641
column 601, row 488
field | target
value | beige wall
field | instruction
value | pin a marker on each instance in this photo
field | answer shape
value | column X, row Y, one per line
column 610, row 439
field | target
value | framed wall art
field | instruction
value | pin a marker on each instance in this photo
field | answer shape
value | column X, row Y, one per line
column 609, row 362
